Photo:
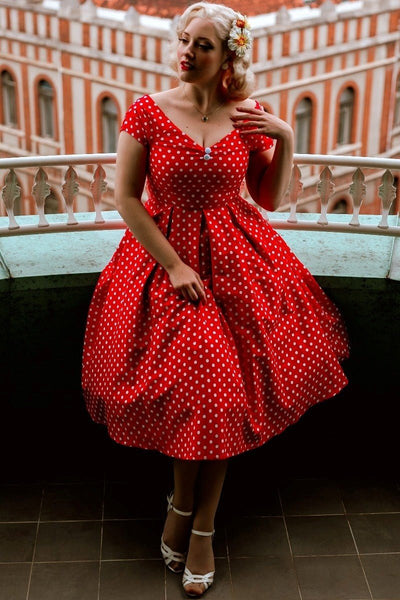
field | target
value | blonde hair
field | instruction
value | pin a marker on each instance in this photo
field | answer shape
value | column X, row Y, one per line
column 238, row 80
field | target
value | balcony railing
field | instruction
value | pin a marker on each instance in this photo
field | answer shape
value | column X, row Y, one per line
column 320, row 177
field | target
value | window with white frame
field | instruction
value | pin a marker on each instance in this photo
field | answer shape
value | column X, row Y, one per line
column 302, row 129
column 46, row 109
column 109, row 121
column 346, row 111
column 8, row 95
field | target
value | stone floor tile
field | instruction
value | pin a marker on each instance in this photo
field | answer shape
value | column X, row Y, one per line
column 266, row 578
column 370, row 496
column 72, row 502
column 257, row 536
column 64, row 581
column 311, row 497
column 331, row 578
column 14, row 579
column 383, row 575
column 376, row 533
column 68, row 540
column 131, row 539
column 20, row 502
column 320, row 535
column 17, row 541
column 128, row 580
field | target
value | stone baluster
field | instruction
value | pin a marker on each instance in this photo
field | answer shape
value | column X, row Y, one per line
column 11, row 192
column 70, row 189
column 387, row 193
column 40, row 191
column 294, row 190
column 357, row 191
column 98, row 187
column 325, row 190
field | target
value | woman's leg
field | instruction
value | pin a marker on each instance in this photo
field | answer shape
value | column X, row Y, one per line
column 177, row 528
column 200, row 558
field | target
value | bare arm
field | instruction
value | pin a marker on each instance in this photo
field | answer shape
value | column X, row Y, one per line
column 269, row 172
column 129, row 183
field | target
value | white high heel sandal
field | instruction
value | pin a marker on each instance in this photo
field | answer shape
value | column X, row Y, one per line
column 167, row 553
column 189, row 577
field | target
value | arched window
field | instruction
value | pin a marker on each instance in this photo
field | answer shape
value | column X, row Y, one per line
column 51, row 204
column 8, row 95
column 340, row 207
column 109, row 122
column 397, row 105
column 303, row 117
column 46, row 109
column 346, row 111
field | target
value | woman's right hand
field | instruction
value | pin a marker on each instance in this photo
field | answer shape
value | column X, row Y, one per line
column 185, row 280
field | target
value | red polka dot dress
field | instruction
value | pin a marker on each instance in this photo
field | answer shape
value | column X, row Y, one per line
column 206, row 381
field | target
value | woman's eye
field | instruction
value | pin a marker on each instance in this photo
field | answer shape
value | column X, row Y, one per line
column 183, row 40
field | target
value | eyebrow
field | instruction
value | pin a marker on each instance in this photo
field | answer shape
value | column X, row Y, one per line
column 200, row 38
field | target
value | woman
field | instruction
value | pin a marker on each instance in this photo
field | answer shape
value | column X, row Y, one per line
column 206, row 336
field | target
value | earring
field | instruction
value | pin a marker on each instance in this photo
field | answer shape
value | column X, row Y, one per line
column 225, row 66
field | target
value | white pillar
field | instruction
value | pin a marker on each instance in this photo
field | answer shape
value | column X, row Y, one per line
column 88, row 11
column 70, row 9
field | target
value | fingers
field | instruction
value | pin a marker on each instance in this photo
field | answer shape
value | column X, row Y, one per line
column 194, row 291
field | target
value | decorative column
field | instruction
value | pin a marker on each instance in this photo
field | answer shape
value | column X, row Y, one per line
column 69, row 9
column 88, row 11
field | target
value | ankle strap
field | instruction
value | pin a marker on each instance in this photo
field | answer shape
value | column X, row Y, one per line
column 203, row 533
column 181, row 512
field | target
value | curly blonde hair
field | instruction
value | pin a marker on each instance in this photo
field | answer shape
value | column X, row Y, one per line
column 238, row 80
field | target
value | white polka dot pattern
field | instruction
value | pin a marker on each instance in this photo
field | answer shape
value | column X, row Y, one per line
column 209, row 381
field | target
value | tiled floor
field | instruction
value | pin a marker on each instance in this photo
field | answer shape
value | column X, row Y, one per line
column 96, row 537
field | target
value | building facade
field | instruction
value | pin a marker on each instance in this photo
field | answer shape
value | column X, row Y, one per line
column 69, row 70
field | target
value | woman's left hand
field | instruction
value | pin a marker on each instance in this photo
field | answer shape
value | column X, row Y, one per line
column 254, row 120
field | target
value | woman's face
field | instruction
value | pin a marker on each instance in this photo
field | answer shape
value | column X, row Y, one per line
column 200, row 52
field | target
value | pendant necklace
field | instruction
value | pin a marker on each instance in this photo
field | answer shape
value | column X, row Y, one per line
column 204, row 116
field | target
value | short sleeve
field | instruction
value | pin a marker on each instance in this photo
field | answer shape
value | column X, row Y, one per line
column 135, row 121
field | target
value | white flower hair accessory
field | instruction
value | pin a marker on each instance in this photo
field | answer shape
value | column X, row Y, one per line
column 239, row 40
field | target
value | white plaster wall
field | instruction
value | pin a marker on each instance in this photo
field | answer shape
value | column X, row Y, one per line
column 365, row 28
column 93, row 36
column 294, row 42
column 54, row 28
column 14, row 19
column 165, row 52
column 262, row 49
column 41, row 26
column 137, row 45
column 137, row 77
column 339, row 29
column 308, row 38
column 29, row 22
column 277, row 46
column 322, row 36
column 79, row 120
column 375, row 114
column 120, row 41
column 151, row 49
column 383, row 23
column 151, row 82
column 107, row 40
column 76, row 33
column 352, row 29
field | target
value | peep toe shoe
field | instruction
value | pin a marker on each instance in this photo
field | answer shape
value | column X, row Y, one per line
column 189, row 577
column 172, row 556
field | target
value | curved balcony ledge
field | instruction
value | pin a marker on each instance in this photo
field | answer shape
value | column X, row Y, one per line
column 77, row 257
